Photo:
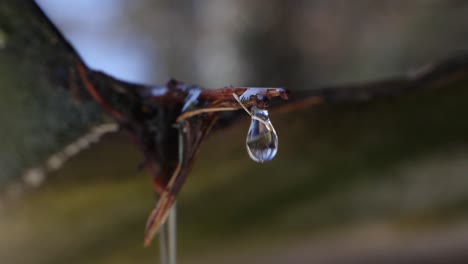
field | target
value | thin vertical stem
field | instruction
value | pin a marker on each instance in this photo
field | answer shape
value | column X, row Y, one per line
column 168, row 232
column 163, row 245
column 168, row 239
column 172, row 234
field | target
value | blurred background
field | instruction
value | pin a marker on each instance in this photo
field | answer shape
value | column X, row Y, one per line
column 381, row 182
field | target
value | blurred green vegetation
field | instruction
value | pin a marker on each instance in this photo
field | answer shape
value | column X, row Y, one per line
column 401, row 162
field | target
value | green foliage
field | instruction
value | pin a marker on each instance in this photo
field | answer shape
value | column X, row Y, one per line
column 400, row 162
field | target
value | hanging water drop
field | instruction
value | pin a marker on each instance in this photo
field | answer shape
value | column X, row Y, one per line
column 262, row 140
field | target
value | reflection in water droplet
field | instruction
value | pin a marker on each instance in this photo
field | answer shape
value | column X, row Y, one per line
column 262, row 140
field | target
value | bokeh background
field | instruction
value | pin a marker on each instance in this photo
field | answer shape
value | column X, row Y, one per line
column 380, row 182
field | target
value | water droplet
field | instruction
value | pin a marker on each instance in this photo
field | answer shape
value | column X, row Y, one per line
column 262, row 140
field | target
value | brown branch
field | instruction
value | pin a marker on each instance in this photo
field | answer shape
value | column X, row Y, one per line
column 120, row 96
column 430, row 76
